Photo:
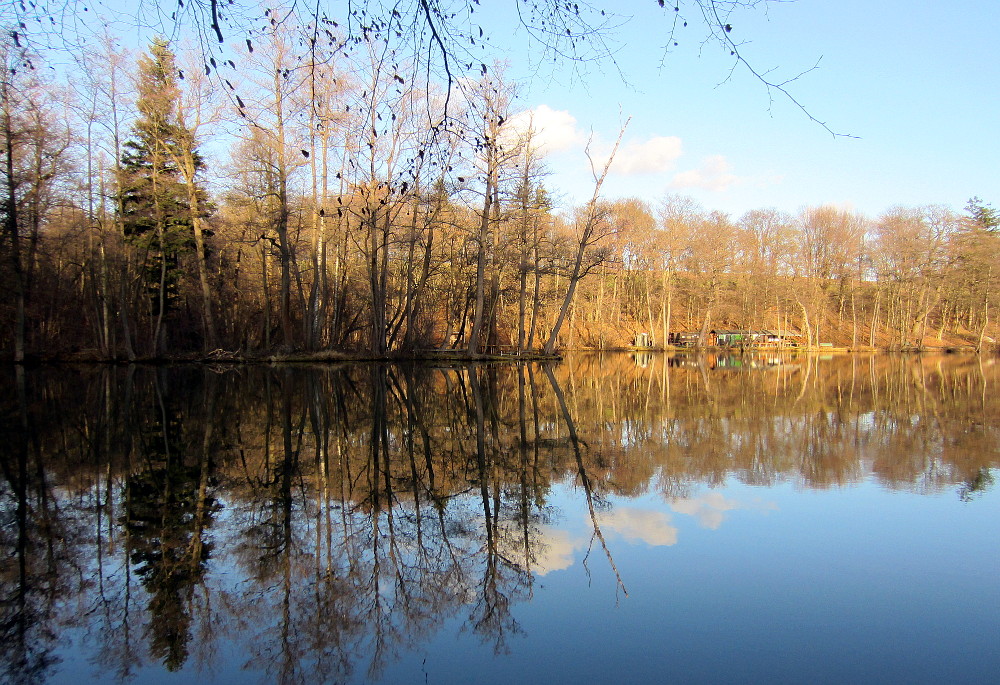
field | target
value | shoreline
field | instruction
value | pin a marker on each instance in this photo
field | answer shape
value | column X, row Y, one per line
column 453, row 356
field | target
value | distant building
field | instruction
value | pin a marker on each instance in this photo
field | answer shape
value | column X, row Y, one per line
column 753, row 338
column 730, row 338
column 642, row 341
column 683, row 339
column 735, row 338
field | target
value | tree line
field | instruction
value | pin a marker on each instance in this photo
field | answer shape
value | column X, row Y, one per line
column 329, row 201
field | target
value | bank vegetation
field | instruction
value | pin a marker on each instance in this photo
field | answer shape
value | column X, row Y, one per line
column 322, row 206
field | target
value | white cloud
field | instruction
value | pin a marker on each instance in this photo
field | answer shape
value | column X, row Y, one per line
column 555, row 130
column 651, row 156
column 715, row 173
column 650, row 526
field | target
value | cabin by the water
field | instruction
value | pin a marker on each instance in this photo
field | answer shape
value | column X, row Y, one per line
column 735, row 338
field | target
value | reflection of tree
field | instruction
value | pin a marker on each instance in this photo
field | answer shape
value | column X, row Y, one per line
column 167, row 511
column 272, row 542
column 976, row 486
column 367, row 505
column 29, row 575
column 583, row 477
column 491, row 615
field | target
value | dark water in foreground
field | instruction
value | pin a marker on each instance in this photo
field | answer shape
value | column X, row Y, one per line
column 609, row 519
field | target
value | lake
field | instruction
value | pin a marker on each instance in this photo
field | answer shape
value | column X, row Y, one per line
column 611, row 518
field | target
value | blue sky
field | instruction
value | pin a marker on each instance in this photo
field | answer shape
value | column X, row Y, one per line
column 915, row 83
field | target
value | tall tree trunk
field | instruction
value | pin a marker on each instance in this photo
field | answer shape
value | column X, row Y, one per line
column 378, row 315
column 481, row 244
column 805, row 323
column 13, row 229
column 208, row 320
column 550, row 343
column 281, row 223
column 666, row 302
column 854, row 321
column 161, row 295
column 535, row 291
column 874, row 328
column 986, row 312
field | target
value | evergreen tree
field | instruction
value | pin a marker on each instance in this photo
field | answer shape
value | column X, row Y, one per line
column 983, row 215
column 155, row 200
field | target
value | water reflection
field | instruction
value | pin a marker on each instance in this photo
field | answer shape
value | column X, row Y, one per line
column 315, row 524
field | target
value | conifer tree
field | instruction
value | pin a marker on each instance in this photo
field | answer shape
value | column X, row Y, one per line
column 158, row 215
column 982, row 215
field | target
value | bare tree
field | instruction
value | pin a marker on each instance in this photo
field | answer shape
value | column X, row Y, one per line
column 830, row 245
column 196, row 114
column 591, row 228
column 912, row 249
column 489, row 111
column 34, row 153
column 269, row 144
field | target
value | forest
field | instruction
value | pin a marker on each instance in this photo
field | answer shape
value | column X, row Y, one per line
column 337, row 202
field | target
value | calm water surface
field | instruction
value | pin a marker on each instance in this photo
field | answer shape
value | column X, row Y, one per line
column 608, row 519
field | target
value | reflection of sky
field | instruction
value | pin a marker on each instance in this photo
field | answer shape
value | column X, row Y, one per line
column 734, row 583
column 710, row 508
column 556, row 549
column 643, row 521
column 765, row 584
column 639, row 525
